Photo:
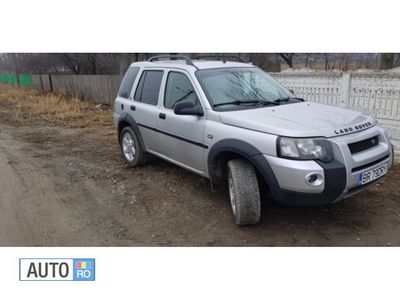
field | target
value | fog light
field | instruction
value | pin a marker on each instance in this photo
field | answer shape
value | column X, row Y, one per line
column 314, row 179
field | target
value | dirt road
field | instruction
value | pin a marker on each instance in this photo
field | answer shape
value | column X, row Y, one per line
column 69, row 187
column 41, row 203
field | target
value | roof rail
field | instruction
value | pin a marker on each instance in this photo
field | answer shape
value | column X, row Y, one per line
column 173, row 57
column 224, row 58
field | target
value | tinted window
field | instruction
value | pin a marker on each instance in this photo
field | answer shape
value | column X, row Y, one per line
column 127, row 82
column 149, row 87
column 178, row 89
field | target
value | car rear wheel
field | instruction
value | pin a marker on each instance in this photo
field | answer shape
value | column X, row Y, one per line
column 244, row 192
column 131, row 148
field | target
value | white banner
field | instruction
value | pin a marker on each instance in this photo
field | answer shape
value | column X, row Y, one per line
column 212, row 273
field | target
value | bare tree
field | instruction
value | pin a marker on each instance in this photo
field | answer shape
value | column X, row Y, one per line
column 76, row 63
column 307, row 57
column 397, row 60
column 266, row 61
column 16, row 70
column 367, row 60
column 117, row 63
column 326, row 61
column 387, row 61
column 288, row 58
column 125, row 59
column 344, row 64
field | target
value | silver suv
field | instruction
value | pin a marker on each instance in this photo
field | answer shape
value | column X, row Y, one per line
column 232, row 123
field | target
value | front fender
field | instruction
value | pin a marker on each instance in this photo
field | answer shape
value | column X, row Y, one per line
column 246, row 151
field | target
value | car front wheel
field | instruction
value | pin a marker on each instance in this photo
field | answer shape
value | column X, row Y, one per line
column 244, row 192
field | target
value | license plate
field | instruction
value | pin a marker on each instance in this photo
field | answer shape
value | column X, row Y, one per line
column 372, row 174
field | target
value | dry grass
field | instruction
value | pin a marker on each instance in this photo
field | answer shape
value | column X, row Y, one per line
column 26, row 106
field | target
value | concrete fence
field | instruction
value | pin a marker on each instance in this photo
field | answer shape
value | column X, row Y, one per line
column 374, row 92
column 98, row 88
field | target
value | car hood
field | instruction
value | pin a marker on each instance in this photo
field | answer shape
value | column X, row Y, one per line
column 304, row 119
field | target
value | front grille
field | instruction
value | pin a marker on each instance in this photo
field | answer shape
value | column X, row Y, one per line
column 363, row 145
column 369, row 164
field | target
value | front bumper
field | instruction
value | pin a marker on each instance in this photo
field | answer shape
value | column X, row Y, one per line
column 292, row 187
column 341, row 176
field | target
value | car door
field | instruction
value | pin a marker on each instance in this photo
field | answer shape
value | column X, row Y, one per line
column 181, row 136
column 124, row 100
column 144, row 108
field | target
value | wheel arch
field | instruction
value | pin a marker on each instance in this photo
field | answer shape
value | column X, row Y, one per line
column 223, row 151
column 127, row 120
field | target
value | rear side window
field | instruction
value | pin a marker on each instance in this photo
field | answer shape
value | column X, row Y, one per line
column 127, row 82
column 178, row 89
column 149, row 87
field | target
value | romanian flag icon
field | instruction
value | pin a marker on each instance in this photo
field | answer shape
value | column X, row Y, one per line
column 83, row 265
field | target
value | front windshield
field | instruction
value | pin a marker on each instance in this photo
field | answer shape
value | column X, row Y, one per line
column 228, row 87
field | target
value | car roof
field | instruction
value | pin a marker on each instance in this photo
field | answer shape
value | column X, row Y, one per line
column 199, row 64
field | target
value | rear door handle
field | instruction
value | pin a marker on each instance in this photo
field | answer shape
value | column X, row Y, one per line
column 133, row 107
column 162, row 116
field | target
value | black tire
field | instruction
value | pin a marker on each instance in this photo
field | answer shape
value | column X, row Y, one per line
column 139, row 156
column 244, row 192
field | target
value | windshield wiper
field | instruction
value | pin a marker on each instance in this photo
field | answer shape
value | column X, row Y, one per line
column 279, row 100
column 268, row 102
column 239, row 102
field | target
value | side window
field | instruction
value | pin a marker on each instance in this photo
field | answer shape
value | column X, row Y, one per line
column 149, row 87
column 178, row 88
column 127, row 82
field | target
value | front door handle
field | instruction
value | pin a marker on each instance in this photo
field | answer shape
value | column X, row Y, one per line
column 162, row 116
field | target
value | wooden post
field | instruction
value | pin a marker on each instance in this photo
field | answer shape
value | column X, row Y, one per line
column 51, row 83
column 41, row 82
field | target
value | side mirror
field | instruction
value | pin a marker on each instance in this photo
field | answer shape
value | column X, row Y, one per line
column 188, row 108
column 292, row 91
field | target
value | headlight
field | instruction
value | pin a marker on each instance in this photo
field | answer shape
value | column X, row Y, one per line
column 305, row 149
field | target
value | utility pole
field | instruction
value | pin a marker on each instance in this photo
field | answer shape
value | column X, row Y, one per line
column 14, row 57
